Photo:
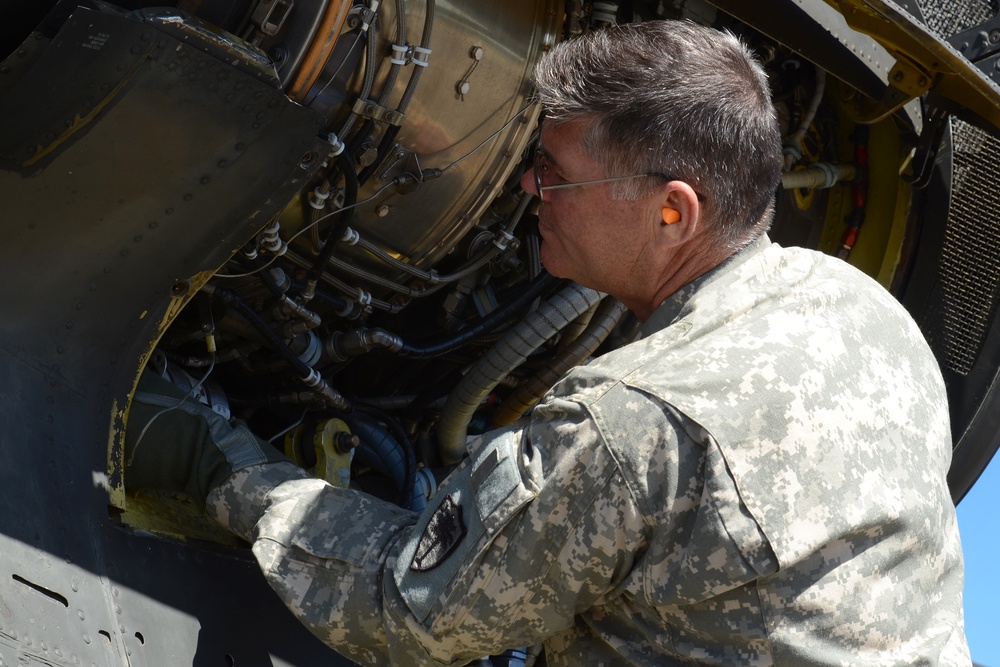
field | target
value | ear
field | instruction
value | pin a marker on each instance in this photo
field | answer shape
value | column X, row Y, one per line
column 678, row 213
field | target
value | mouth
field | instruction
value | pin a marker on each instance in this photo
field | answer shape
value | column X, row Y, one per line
column 543, row 223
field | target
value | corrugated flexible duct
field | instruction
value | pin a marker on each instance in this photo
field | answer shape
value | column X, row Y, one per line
column 509, row 352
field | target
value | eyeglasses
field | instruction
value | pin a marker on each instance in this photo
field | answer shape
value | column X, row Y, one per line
column 542, row 165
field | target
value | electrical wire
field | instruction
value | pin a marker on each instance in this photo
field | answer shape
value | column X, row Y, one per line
column 378, row 193
column 492, row 136
column 304, row 230
column 189, row 394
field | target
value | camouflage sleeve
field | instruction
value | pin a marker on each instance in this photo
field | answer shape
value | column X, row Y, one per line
column 534, row 527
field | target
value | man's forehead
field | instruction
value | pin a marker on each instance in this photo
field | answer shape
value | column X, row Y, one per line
column 563, row 140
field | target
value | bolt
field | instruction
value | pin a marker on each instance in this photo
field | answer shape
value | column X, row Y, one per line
column 994, row 36
column 897, row 76
column 382, row 210
column 344, row 442
column 476, row 53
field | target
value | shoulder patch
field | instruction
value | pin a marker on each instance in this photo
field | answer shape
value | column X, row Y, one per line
column 444, row 531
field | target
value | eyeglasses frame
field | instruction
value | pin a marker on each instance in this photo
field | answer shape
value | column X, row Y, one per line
column 559, row 186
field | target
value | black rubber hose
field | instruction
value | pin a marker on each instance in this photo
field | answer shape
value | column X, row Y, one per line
column 342, row 220
column 258, row 323
column 343, row 307
column 540, row 285
column 411, row 86
column 382, row 153
column 403, row 440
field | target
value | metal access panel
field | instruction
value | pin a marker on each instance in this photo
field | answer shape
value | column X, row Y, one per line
column 94, row 262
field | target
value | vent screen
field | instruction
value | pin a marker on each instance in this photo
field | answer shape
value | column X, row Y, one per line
column 970, row 258
column 947, row 17
column 960, row 314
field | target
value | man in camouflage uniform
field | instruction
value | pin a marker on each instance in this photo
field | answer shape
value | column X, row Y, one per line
column 759, row 480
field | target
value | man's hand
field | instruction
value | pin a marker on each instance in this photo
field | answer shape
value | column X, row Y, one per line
column 179, row 444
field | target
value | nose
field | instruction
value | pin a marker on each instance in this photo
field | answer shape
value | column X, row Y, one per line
column 528, row 182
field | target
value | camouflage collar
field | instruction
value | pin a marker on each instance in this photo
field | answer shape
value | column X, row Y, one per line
column 668, row 311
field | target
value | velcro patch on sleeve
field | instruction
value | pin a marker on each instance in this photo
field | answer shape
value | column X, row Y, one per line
column 440, row 537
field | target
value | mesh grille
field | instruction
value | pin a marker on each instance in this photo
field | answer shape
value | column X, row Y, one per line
column 948, row 17
column 962, row 307
column 970, row 258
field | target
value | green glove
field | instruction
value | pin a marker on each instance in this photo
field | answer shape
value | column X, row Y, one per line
column 183, row 445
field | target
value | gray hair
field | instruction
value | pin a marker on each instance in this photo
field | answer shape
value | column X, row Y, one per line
column 678, row 98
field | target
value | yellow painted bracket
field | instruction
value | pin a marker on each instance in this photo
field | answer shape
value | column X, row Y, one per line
column 925, row 62
column 327, row 443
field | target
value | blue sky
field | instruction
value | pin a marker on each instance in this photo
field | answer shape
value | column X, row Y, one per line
column 979, row 523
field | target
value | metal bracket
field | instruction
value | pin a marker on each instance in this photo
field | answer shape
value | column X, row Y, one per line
column 907, row 81
column 981, row 45
column 270, row 15
column 979, row 41
column 376, row 112
column 927, row 149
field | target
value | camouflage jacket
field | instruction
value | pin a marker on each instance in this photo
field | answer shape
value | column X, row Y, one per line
column 759, row 480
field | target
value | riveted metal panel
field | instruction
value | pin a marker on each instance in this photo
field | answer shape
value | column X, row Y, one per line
column 132, row 164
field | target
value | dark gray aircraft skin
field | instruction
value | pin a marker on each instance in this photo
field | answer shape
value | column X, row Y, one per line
column 142, row 147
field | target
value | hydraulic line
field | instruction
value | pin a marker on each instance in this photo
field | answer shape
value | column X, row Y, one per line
column 474, row 265
column 542, row 284
column 362, row 298
column 375, row 279
column 307, row 375
column 287, row 307
column 425, row 43
column 524, row 338
column 354, row 295
column 605, row 319
column 341, row 307
column 371, row 55
column 389, row 137
column 386, row 448
column 346, row 166
column 436, row 281
column 352, row 237
column 395, row 263
column 390, row 80
column 522, row 206
column 819, row 175
column 344, row 346
column 793, row 145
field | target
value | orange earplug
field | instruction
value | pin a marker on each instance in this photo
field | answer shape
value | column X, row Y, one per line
column 671, row 215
